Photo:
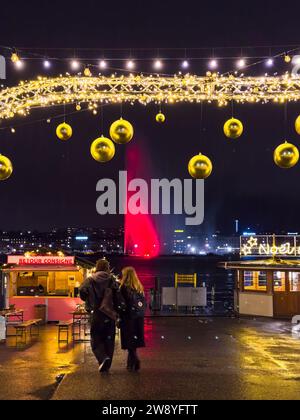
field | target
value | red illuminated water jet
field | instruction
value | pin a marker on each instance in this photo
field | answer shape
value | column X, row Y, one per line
column 140, row 237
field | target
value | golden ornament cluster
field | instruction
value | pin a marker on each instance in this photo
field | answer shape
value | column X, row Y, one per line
column 78, row 90
column 103, row 149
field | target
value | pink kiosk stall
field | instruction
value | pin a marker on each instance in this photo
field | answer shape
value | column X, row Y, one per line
column 48, row 280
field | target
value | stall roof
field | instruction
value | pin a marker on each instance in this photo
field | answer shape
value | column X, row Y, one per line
column 25, row 268
column 270, row 264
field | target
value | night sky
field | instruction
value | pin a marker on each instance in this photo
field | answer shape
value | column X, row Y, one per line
column 54, row 183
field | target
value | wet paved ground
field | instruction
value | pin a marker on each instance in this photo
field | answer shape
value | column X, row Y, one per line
column 29, row 373
column 186, row 358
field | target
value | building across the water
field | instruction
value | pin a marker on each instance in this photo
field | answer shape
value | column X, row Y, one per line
column 267, row 287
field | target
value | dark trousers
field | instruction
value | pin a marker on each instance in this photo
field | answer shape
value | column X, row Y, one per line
column 132, row 357
column 103, row 334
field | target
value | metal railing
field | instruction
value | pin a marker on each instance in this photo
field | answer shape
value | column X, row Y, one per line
column 220, row 294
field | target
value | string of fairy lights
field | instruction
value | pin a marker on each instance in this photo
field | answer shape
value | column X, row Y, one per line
column 183, row 59
column 87, row 91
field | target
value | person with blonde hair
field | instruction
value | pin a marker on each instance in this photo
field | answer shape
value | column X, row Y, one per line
column 132, row 319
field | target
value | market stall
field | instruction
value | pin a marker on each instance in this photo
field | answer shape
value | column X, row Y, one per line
column 49, row 282
column 267, row 287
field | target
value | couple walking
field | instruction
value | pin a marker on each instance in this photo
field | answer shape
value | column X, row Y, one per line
column 115, row 303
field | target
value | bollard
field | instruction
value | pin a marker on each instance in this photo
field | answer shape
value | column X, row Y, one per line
column 2, row 329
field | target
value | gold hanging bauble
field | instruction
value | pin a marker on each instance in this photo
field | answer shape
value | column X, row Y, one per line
column 121, row 131
column 233, row 128
column 64, row 131
column 160, row 118
column 87, row 72
column 286, row 155
column 297, row 125
column 15, row 58
column 200, row 167
column 287, row 58
column 103, row 149
column 6, row 168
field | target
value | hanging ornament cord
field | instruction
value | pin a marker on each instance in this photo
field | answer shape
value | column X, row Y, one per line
column 102, row 119
column 201, row 121
column 285, row 120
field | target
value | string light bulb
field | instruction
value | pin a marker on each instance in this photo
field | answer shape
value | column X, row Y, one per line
column 158, row 64
column 130, row 64
column 47, row 64
column 19, row 64
column 75, row 65
column 103, row 64
column 270, row 62
column 296, row 60
column 241, row 63
column 213, row 64
column 13, row 130
column 185, row 64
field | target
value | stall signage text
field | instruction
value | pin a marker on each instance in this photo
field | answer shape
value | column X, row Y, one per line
column 270, row 246
column 40, row 260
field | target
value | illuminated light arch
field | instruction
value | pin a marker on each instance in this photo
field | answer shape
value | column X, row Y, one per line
column 47, row 92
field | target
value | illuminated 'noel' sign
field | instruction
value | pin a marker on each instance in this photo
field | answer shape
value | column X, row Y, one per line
column 270, row 246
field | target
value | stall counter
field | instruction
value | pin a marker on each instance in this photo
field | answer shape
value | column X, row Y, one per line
column 58, row 308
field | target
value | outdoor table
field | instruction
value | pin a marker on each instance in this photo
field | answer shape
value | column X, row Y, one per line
column 80, row 318
column 12, row 317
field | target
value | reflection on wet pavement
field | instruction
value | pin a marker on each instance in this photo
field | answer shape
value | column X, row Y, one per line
column 30, row 372
column 186, row 358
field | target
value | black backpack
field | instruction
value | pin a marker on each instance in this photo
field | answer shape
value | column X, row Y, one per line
column 137, row 304
column 118, row 299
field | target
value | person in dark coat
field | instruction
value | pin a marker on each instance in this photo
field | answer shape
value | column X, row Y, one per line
column 132, row 319
column 102, row 327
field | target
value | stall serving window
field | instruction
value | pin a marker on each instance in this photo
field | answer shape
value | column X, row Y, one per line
column 31, row 283
column 41, row 283
column 255, row 281
column 294, row 279
column 279, row 281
